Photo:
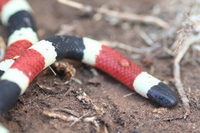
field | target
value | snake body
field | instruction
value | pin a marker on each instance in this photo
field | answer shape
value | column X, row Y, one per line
column 28, row 60
column 21, row 30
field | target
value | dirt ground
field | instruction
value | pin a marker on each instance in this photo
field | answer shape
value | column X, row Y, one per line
column 100, row 103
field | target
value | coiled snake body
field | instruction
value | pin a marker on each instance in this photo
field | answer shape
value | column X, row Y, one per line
column 23, row 61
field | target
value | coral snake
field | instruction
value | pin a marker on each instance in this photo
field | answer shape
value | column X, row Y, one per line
column 24, row 61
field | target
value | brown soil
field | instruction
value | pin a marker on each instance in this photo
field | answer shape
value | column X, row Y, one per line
column 104, row 98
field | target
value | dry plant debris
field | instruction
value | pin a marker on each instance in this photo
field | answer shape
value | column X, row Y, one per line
column 72, row 116
column 183, row 43
column 66, row 73
column 148, row 19
column 100, row 126
column 86, row 100
column 65, row 68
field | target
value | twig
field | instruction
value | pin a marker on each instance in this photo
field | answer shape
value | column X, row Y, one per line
column 122, row 46
column 135, row 18
column 66, row 29
column 177, row 73
column 129, row 94
column 75, row 121
column 60, row 116
column 168, row 51
column 177, row 78
column 100, row 126
column 77, row 81
column 144, row 36
column 76, row 5
column 52, row 70
column 190, row 25
column 179, row 44
column 94, row 72
column 148, row 19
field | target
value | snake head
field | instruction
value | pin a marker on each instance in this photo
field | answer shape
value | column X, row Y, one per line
column 155, row 90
